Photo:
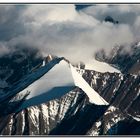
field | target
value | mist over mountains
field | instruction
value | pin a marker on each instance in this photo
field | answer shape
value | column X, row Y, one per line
column 69, row 69
column 62, row 29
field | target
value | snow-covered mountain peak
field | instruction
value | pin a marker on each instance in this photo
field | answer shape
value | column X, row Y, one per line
column 56, row 95
column 58, row 81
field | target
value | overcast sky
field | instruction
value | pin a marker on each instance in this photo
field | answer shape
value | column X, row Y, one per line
column 64, row 31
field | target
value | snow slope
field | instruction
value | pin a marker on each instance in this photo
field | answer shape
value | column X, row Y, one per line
column 92, row 94
column 58, row 81
column 100, row 67
column 29, row 79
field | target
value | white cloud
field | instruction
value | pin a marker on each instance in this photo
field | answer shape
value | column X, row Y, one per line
column 55, row 13
column 76, row 35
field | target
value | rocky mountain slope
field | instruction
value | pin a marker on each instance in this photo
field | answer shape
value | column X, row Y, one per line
column 126, row 59
column 73, row 113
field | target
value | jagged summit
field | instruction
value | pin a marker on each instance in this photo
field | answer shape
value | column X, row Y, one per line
column 47, row 59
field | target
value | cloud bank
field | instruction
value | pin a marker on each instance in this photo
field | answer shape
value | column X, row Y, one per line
column 63, row 31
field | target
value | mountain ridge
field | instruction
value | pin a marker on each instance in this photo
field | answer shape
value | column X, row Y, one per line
column 65, row 116
column 48, row 91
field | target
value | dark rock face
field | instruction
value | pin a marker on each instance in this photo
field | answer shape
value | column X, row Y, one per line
column 73, row 114
column 119, row 90
column 110, row 19
column 125, row 127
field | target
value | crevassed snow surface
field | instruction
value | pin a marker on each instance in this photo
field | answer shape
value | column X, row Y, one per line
column 100, row 67
column 61, row 79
